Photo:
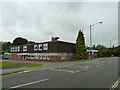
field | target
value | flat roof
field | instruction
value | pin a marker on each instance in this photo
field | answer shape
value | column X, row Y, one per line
column 45, row 42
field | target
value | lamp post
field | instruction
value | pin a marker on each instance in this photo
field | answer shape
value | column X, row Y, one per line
column 91, row 37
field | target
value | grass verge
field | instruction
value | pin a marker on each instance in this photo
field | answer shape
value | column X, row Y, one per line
column 9, row 65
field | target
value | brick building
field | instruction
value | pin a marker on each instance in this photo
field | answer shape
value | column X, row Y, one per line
column 95, row 53
column 46, row 51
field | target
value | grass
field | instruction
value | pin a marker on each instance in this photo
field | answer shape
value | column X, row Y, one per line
column 9, row 65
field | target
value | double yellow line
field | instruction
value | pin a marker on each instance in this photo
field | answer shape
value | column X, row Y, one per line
column 115, row 84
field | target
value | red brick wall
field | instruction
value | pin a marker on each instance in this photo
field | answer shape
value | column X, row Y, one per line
column 14, row 56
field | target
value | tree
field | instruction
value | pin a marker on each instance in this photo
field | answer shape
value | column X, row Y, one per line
column 5, row 47
column 80, row 49
column 19, row 41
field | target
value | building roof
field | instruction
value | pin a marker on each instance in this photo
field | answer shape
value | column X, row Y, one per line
column 46, row 42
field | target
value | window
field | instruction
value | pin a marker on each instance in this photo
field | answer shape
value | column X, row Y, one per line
column 35, row 47
column 18, row 48
column 32, row 57
column 40, row 47
column 48, row 57
column 15, row 49
column 24, row 48
column 45, row 47
column 40, row 57
column 44, row 57
column 28, row 56
column 11, row 49
column 36, row 57
column 62, row 56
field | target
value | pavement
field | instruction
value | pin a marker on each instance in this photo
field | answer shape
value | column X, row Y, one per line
column 99, row 73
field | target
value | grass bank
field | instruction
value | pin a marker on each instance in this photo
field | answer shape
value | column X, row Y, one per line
column 9, row 65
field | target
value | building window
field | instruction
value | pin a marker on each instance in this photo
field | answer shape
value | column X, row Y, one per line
column 35, row 47
column 18, row 48
column 45, row 47
column 62, row 56
column 24, row 48
column 36, row 57
column 44, row 57
column 48, row 57
column 40, row 47
column 40, row 57
column 28, row 57
column 32, row 57
column 11, row 49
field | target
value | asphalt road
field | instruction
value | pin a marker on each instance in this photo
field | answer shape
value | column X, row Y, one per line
column 101, row 73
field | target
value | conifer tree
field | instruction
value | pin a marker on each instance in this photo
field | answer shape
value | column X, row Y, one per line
column 80, row 49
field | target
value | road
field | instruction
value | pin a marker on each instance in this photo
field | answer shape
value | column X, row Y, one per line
column 99, row 73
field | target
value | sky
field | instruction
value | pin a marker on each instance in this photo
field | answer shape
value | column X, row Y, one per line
column 39, row 21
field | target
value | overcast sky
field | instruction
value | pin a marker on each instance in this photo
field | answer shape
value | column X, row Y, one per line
column 39, row 21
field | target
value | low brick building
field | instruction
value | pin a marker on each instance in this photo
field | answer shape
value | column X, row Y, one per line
column 46, row 51
column 95, row 53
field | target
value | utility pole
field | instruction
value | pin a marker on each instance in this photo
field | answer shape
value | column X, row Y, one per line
column 91, row 38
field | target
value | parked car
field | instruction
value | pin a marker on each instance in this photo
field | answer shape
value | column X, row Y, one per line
column 6, row 55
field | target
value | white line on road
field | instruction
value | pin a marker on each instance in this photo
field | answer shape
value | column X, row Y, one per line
column 29, row 83
column 110, row 62
column 80, row 70
column 63, row 70
column 99, row 65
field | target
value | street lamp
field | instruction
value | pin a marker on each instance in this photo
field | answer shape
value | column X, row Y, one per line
column 91, row 37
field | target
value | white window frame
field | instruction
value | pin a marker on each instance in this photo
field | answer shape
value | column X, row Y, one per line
column 11, row 49
column 48, row 57
column 40, row 57
column 40, row 45
column 36, row 57
column 45, row 46
column 63, row 57
column 24, row 48
column 35, row 49
column 44, row 57
column 18, row 48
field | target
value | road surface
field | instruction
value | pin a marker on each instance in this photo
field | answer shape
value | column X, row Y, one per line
column 99, row 73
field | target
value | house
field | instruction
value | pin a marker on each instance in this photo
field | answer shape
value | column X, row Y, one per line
column 53, row 50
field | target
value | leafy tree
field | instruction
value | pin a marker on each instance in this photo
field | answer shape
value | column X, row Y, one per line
column 19, row 41
column 5, row 47
column 80, row 48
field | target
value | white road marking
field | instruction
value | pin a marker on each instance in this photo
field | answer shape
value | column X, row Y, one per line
column 110, row 62
column 80, row 70
column 29, row 83
column 99, row 65
column 62, row 70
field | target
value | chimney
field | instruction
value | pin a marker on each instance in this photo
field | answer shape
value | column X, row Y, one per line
column 55, row 38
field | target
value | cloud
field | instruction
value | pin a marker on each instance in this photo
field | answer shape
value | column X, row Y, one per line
column 39, row 21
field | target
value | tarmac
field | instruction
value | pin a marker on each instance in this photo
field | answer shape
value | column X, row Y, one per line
column 46, row 65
